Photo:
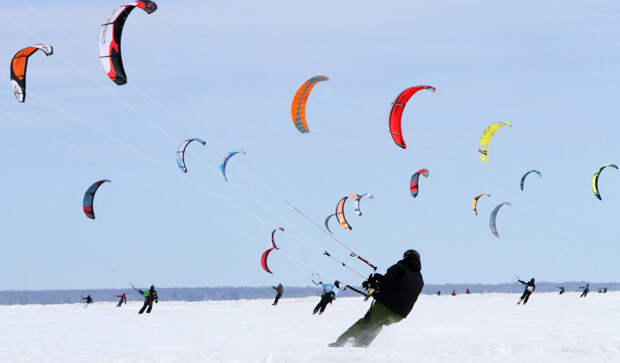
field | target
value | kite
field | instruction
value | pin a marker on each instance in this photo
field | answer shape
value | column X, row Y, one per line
column 181, row 152
column 528, row 173
column 358, row 198
column 110, row 39
column 327, row 222
column 298, row 107
column 263, row 259
column 413, row 184
column 225, row 162
column 19, row 64
column 494, row 216
column 89, row 197
column 340, row 212
column 595, row 179
column 475, row 203
column 485, row 140
column 396, row 114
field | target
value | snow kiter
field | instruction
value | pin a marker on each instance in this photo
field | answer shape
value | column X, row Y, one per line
column 110, row 39
column 396, row 113
column 298, row 107
column 89, row 197
column 19, row 64
column 597, row 174
column 181, row 152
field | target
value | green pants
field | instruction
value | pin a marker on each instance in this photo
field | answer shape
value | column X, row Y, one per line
column 365, row 330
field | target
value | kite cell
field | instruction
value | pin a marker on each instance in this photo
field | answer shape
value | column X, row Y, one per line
column 181, row 152
column 225, row 162
column 110, row 39
column 19, row 65
column 485, row 140
column 396, row 114
column 327, row 222
column 358, row 198
column 494, row 216
column 474, row 205
column 595, row 179
column 528, row 173
column 89, row 197
column 298, row 107
column 413, row 184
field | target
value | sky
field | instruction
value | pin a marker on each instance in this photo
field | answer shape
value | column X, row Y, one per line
column 227, row 73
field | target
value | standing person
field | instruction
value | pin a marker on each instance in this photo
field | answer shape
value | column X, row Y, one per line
column 149, row 296
column 395, row 294
column 280, row 290
column 467, row 291
column 438, row 292
column 453, row 292
column 586, row 290
column 89, row 300
column 529, row 289
column 562, row 290
column 604, row 290
column 122, row 301
column 328, row 295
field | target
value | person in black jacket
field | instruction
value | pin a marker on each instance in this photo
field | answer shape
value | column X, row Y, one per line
column 280, row 291
column 150, row 295
column 394, row 294
column 89, row 300
column 529, row 289
column 562, row 290
column 586, row 290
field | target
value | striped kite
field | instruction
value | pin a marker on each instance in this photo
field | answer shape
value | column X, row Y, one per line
column 595, row 179
column 298, row 107
column 181, row 152
column 474, row 205
column 89, row 197
column 413, row 184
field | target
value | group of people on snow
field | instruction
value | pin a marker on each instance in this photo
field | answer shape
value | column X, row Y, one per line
column 150, row 297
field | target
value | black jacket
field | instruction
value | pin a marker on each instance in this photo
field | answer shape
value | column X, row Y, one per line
column 400, row 287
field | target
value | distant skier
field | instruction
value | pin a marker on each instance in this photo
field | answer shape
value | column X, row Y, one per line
column 586, row 290
column 529, row 289
column 327, row 296
column 149, row 296
column 89, row 300
column 453, row 292
column 280, row 290
column 467, row 291
column 122, row 301
column 604, row 290
column 395, row 293
column 562, row 290
column 438, row 292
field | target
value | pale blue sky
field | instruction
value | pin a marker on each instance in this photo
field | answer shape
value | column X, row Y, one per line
column 227, row 72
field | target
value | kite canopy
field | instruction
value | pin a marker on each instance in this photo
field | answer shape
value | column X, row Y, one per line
column 298, row 107
column 485, row 140
column 474, row 205
column 528, row 173
column 225, row 162
column 19, row 65
column 396, row 114
column 181, row 152
column 110, row 39
column 358, row 198
column 327, row 222
column 89, row 197
column 263, row 259
column 494, row 216
column 340, row 211
column 413, row 184
column 595, row 179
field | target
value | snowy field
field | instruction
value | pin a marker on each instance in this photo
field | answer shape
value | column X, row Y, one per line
column 474, row 328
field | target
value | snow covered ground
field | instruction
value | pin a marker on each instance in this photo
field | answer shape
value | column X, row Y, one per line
column 474, row 328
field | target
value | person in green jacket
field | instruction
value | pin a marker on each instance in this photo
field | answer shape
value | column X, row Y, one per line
column 394, row 295
column 150, row 295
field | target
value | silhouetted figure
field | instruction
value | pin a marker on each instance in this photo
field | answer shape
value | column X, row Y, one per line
column 123, row 300
column 586, row 290
column 150, row 296
column 467, row 291
column 529, row 289
column 453, row 292
column 604, row 290
column 438, row 292
column 280, row 291
column 89, row 300
column 562, row 290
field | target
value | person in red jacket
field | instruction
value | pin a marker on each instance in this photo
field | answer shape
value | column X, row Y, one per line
column 453, row 292
column 122, row 301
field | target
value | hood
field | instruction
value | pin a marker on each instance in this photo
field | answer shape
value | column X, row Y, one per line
column 413, row 262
